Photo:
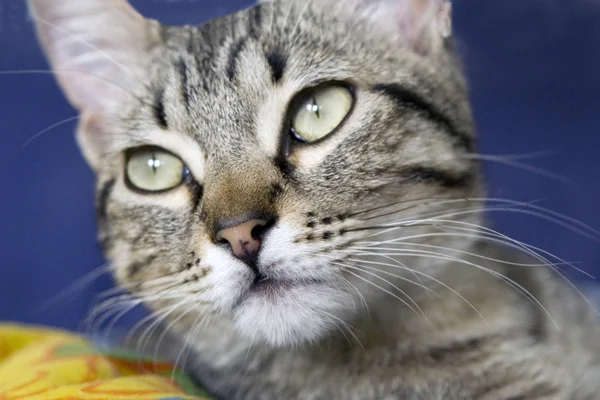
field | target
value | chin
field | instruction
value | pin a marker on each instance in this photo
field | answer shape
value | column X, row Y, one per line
column 290, row 315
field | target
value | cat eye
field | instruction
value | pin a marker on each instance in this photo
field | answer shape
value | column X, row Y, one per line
column 319, row 111
column 152, row 169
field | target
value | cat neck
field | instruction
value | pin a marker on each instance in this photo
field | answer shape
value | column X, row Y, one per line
column 467, row 303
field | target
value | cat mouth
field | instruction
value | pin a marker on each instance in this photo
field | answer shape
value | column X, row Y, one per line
column 265, row 284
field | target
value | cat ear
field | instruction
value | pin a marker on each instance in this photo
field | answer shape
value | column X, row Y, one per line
column 95, row 47
column 97, row 50
column 423, row 25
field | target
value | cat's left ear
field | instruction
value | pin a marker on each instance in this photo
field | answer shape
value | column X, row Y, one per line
column 422, row 25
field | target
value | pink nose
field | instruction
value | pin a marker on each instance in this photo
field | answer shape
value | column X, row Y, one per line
column 244, row 238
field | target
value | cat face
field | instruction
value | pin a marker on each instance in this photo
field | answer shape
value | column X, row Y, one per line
column 275, row 168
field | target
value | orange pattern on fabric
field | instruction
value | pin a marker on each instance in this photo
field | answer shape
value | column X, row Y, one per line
column 43, row 364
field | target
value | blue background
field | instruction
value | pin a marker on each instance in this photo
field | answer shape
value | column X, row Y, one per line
column 534, row 66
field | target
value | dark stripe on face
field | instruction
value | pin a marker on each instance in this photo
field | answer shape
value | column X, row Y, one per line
column 277, row 62
column 286, row 168
column 234, row 52
column 159, row 109
column 444, row 178
column 185, row 87
column 136, row 267
column 255, row 22
column 197, row 193
column 103, row 195
column 408, row 99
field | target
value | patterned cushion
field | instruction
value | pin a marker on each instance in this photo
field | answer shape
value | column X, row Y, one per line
column 44, row 364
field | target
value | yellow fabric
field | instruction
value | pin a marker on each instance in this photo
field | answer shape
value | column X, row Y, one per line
column 43, row 364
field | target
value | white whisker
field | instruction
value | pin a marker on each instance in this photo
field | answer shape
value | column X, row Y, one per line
column 387, row 291
column 182, row 356
column 522, row 166
column 55, row 125
column 434, row 280
column 346, row 325
column 526, row 293
column 79, row 284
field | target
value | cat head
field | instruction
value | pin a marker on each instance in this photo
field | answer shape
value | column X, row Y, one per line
column 269, row 168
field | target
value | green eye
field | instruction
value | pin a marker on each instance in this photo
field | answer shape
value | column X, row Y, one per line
column 153, row 169
column 320, row 111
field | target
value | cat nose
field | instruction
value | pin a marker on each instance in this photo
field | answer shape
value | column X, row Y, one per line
column 244, row 238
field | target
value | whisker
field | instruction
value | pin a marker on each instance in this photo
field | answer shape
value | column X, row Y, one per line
column 444, row 285
column 427, row 276
column 114, row 320
column 55, row 125
column 431, row 221
column 529, row 249
column 346, row 325
column 510, row 282
column 372, row 247
column 147, row 285
column 182, row 357
column 107, row 304
column 426, row 220
column 152, row 291
column 523, row 156
column 170, row 325
column 154, row 320
column 360, row 295
column 79, row 284
column 387, row 291
column 490, row 235
column 402, row 202
column 418, row 284
column 60, row 71
column 475, row 236
column 117, row 310
column 524, row 167
column 539, row 211
column 401, row 266
column 535, row 252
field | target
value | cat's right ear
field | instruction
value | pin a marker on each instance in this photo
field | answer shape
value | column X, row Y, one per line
column 97, row 50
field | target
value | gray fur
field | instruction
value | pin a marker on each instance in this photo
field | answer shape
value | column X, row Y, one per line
column 464, row 320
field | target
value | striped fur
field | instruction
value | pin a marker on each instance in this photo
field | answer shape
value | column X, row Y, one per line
column 391, row 287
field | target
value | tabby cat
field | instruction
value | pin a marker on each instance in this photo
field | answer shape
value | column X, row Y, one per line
column 291, row 189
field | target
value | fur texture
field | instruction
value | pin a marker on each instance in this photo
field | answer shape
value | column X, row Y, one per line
column 389, row 286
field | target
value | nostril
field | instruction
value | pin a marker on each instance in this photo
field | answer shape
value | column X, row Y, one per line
column 243, row 239
column 259, row 230
column 220, row 239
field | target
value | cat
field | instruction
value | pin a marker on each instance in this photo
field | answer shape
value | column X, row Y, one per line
column 289, row 189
